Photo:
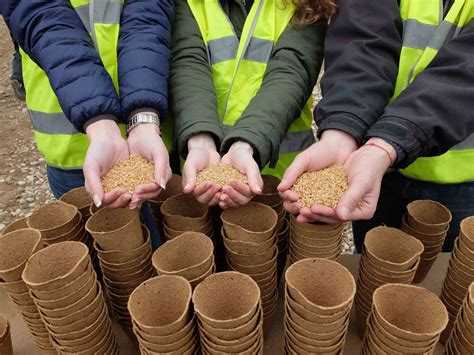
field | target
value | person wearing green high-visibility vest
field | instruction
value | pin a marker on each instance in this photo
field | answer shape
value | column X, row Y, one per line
column 241, row 79
column 398, row 92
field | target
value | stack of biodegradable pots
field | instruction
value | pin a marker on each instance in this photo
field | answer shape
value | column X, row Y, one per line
column 250, row 241
column 190, row 255
column 123, row 247
column 80, row 198
column 69, row 298
column 162, row 316
column 15, row 225
column 428, row 221
column 271, row 198
column 15, row 249
column 318, row 298
column 390, row 256
column 58, row 222
column 183, row 213
column 6, row 347
column 460, row 273
column 314, row 240
column 461, row 340
column 229, row 312
column 405, row 319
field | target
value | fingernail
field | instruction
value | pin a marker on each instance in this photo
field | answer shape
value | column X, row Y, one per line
column 258, row 188
column 97, row 201
column 132, row 206
column 163, row 183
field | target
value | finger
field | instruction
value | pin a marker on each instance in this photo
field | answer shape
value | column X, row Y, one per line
column 323, row 211
column 92, row 178
column 161, row 161
column 215, row 199
column 294, row 171
column 254, row 178
column 202, row 188
column 122, row 201
column 351, row 199
column 146, row 188
column 289, row 195
column 241, row 188
column 316, row 218
column 292, row 207
column 209, row 195
column 140, row 198
column 112, row 196
column 331, row 218
column 226, row 202
column 235, row 196
column 189, row 176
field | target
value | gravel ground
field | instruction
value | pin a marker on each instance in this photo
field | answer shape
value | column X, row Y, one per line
column 23, row 182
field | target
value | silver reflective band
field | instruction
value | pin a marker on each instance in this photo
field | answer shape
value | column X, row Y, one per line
column 106, row 11
column 83, row 13
column 293, row 142
column 421, row 36
column 51, row 123
column 468, row 143
column 222, row 49
column 259, row 50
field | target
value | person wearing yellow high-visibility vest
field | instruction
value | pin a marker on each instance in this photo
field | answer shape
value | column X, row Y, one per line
column 90, row 68
column 399, row 80
column 93, row 71
column 242, row 73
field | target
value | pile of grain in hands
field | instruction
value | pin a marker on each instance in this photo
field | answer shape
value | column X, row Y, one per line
column 324, row 187
column 220, row 175
column 129, row 173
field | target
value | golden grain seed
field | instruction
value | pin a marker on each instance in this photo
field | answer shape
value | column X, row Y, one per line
column 220, row 175
column 129, row 173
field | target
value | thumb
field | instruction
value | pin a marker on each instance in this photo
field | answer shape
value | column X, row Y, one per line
column 189, row 175
column 92, row 178
column 358, row 188
column 294, row 171
column 161, row 161
column 254, row 178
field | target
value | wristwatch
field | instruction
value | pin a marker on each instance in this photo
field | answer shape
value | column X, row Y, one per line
column 143, row 117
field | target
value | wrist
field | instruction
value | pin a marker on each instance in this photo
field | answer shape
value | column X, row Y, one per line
column 203, row 141
column 103, row 127
column 143, row 128
column 342, row 139
column 240, row 145
column 384, row 148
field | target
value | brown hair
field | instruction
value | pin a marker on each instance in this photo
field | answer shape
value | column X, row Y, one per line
column 310, row 11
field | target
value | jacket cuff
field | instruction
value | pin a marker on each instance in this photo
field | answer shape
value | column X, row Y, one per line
column 100, row 118
column 407, row 139
column 262, row 153
column 144, row 98
column 185, row 134
column 343, row 121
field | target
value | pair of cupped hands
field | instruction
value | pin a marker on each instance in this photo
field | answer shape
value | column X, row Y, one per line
column 107, row 146
column 365, row 166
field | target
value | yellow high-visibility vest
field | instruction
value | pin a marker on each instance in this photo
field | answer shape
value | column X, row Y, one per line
column 425, row 31
column 238, row 66
column 56, row 138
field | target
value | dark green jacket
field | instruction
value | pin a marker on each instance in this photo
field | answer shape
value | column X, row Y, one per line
column 288, row 83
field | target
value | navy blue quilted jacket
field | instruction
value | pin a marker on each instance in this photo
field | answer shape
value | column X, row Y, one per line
column 52, row 34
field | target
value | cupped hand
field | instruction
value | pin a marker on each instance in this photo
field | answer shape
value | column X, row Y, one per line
column 240, row 156
column 105, row 149
column 202, row 153
column 333, row 148
column 366, row 168
column 145, row 140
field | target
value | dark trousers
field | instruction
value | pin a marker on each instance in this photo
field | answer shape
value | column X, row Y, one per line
column 398, row 191
column 61, row 181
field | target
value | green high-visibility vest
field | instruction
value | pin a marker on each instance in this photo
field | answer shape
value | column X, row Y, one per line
column 56, row 138
column 424, row 33
column 238, row 66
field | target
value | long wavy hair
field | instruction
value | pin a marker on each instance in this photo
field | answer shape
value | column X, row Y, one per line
column 311, row 11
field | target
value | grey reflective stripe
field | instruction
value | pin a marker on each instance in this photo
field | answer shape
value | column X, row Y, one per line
column 223, row 49
column 259, row 50
column 106, row 11
column 421, row 36
column 51, row 123
column 293, row 142
column 468, row 143
column 83, row 12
